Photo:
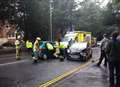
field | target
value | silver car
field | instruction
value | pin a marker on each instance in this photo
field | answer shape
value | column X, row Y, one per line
column 79, row 51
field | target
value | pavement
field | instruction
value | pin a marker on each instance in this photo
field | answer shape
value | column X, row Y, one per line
column 7, row 50
column 90, row 76
column 3, row 40
column 9, row 58
column 10, row 50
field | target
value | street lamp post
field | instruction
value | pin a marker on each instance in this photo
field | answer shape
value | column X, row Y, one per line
column 51, row 8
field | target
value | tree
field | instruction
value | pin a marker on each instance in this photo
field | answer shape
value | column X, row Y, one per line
column 38, row 17
column 89, row 17
column 63, row 14
column 112, row 13
column 13, row 11
column 33, row 16
column 37, row 23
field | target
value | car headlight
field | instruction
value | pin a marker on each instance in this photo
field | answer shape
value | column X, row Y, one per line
column 68, row 51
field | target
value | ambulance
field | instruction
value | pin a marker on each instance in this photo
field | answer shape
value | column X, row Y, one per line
column 79, row 45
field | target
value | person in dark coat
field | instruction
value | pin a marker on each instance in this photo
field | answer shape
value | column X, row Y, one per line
column 113, row 50
column 103, row 55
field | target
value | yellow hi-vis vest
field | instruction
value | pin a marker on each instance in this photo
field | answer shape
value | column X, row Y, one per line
column 29, row 44
column 49, row 46
column 17, row 44
column 62, row 45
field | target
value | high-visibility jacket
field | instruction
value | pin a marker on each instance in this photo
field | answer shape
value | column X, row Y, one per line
column 62, row 46
column 29, row 44
column 49, row 46
column 17, row 44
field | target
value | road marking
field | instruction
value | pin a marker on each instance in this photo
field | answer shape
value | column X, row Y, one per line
column 13, row 62
column 64, row 75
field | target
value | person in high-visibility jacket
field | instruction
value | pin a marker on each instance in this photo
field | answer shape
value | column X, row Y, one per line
column 17, row 44
column 50, row 50
column 62, row 48
column 36, row 49
column 57, row 49
column 29, row 46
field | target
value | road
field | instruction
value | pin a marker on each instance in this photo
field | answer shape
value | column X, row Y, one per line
column 90, row 76
column 24, row 73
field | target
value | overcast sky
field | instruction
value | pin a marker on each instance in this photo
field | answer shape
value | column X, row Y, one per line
column 104, row 2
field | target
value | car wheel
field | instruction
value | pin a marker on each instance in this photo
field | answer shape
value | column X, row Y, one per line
column 83, row 58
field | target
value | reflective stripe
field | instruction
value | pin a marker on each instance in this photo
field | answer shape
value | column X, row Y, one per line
column 49, row 46
column 17, row 43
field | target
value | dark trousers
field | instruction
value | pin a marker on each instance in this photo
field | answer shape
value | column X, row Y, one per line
column 62, row 54
column 103, row 56
column 114, row 73
column 29, row 50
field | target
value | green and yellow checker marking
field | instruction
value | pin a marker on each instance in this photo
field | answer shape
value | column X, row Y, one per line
column 64, row 75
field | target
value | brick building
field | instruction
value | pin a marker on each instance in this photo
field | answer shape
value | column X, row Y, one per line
column 7, row 31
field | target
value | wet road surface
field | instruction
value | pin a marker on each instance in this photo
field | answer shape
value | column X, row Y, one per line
column 26, row 74
column 89, row 77
column 8, row 58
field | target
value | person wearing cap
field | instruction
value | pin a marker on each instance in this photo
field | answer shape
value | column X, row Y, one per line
column 49, row 49
column 36, row 49
column 62, row 48
column 103, row 55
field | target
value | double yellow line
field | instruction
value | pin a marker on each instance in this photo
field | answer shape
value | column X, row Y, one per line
column 64, row 75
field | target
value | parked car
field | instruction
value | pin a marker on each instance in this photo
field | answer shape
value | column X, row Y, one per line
column 79, row 51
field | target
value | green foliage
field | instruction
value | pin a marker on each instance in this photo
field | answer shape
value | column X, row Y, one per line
column 37, row 23
column 89, row 17
column 38, row 18
column 63, row 15
column 112, row 16
column 13, row 11
column 35, row 18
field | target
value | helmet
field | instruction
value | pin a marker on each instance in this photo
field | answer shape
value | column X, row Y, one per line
column 38, row 38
